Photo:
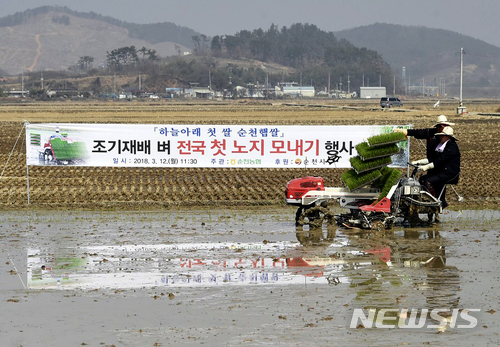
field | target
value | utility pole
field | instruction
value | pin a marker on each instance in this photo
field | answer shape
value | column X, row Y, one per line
column 329, row 84
column 461, row 108
column 403, row 78
column 301, row 85
column 461, row 74
column 267, row 85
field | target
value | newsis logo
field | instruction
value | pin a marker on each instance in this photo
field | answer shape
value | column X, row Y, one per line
column 414, row 318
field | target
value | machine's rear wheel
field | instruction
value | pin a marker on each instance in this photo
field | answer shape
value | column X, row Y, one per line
column 413, row 217
column 377, row 226
column 313, row 216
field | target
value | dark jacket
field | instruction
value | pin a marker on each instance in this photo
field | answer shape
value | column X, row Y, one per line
column 431, row 140
column 446, row 163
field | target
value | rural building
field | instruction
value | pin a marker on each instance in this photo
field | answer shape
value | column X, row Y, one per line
column 173, row 92
column 63, row 92
column 298, row 91
column 17, row 93
column 372, row 92
column 200, row 92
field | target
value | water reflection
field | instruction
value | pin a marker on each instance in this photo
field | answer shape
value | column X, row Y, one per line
column 401, row 269
column 402, row 261
column 411, row 272
column 188, row 264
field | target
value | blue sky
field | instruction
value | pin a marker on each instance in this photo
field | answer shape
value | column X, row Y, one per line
column 476, row 18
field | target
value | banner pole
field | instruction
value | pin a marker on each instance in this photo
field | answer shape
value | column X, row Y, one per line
column 27, row 166
column 28, row 181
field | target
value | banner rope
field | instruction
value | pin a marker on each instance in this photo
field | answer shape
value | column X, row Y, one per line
column 13, row 148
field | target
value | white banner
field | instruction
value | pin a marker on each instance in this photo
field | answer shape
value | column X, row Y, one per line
column 209, row 146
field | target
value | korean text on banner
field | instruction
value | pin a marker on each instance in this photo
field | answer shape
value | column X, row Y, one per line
column 208, row 146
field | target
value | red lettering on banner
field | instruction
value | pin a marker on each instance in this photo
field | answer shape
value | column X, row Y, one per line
column 239, row 148
column 220, row 146
column 186, row 147
column 311, row 145
column 278, row 147
column 298, row 148
column 255, row 146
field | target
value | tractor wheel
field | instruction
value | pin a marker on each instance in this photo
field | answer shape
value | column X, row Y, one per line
column 48, row 154
column 377, row 226
column 413, row 217
column 389, row 223
column 313, row 216
column 298, row 217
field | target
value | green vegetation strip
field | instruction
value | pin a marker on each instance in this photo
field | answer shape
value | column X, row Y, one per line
column 361, row 165
column 389, row 178
column 384, row 139
column 354, row 180
column 367, row 152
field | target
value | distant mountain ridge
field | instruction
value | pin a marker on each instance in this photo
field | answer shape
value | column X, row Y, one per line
column 54, row 38
column 152, row 33
column 430, row 54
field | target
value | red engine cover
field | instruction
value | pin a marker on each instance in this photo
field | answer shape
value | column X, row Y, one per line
column 299, row 186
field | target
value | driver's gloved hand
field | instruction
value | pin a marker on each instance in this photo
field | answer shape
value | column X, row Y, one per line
column 426, row 167
column 420, row 162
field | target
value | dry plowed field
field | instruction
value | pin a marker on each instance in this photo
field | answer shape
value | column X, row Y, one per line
column 103, row 187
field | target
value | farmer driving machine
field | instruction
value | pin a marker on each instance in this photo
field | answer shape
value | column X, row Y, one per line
column 374, row 195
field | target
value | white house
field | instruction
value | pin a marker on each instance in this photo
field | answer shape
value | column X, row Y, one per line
column 372, row 92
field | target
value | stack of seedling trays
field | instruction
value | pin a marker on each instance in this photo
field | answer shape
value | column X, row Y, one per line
column 370, row 166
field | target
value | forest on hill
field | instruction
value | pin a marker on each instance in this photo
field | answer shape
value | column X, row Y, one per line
column 313, row 52
column 301, row 53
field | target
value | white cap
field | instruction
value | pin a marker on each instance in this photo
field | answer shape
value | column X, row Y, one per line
column 443, row 120
column 448, row 131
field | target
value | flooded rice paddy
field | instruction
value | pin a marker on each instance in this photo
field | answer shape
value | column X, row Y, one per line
column 242, row 278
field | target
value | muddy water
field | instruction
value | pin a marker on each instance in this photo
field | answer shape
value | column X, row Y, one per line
column 232, row 277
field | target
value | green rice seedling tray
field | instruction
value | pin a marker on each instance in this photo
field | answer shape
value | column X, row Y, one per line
column 386, row 139
column 354, row 180
column 389, row 178
column 361, row 165
column 366, row 152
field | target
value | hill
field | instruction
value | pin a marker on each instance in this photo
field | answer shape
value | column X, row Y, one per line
column 54, row 38
column 432, row 56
